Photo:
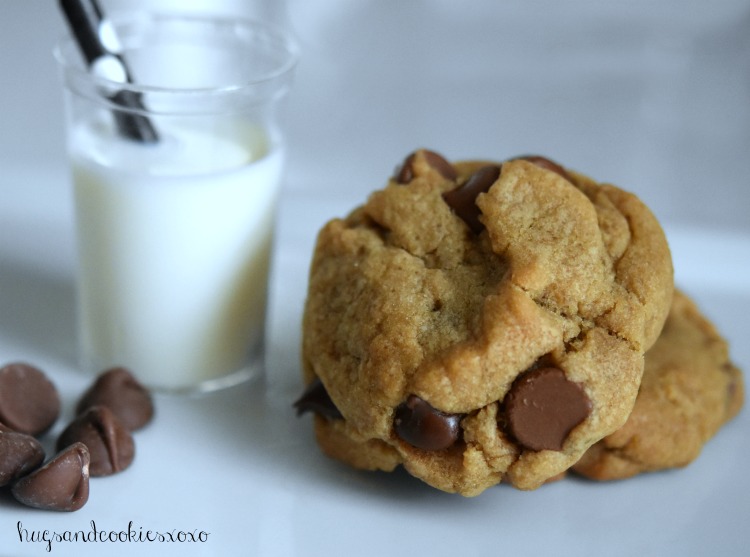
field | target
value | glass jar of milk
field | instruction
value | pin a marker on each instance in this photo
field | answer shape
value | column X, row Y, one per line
column 175, row 229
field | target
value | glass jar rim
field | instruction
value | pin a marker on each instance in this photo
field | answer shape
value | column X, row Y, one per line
column 68, row 57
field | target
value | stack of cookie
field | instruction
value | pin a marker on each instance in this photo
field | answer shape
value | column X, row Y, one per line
column 480, row 322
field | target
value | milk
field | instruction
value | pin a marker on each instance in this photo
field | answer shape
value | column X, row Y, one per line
column 174, row 243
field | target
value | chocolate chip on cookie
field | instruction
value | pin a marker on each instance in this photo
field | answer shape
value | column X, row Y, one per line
column 463, row 198
column 544, row 162
column 542, row 407
column 407, row 171
column 422, row 426
column 316, row 399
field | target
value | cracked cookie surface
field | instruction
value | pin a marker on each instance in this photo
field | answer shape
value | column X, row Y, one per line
column 690, row 388
column 465, row 294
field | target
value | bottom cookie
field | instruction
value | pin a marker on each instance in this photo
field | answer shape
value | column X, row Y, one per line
column 688, row 391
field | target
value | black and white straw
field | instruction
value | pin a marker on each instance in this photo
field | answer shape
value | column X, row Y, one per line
column 99, row 46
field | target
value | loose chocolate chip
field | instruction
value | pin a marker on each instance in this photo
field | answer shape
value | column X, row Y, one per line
column 29, row 402
column 316, row 399
column 60, row 485
column 406, row 173
column 421, row 425
column 110, row 444
column 19, row 454
column 118, row 390
column 545, row 163
column 542, row 407
column 463, row 198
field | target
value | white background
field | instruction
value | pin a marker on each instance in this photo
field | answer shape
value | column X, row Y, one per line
column 652, row 96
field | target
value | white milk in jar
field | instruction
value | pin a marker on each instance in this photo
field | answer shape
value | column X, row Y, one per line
column 174, row 242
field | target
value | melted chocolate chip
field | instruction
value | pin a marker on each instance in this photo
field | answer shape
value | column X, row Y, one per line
column 29, row 402
column 119, row 391
column 110, row 444
column 424, row 427
column 60, row 485
column 463, row 198
column 546, row 163
column 19, row 454
column 406, row 173
column 542, row 407
column 316, row 399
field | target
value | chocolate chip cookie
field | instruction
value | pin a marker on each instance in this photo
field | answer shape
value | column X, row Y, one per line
column 689, row 390
column 478, row 321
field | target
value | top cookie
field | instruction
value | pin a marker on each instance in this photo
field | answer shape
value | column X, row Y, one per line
column 480, row 321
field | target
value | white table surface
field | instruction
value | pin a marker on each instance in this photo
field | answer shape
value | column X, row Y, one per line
column 661, row 107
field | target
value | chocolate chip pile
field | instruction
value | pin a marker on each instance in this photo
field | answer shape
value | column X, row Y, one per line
column 98, row 442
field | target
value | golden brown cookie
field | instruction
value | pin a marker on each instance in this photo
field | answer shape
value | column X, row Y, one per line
column 689, row 390
column 478, row 322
